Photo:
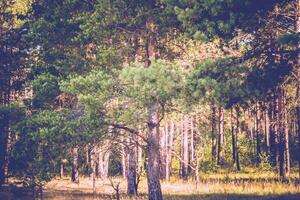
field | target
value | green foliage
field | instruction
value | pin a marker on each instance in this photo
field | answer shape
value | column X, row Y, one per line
column 264, row 164
column 37, row 151
column 92, row 90
column 262, row 81
column 158, row 83
column 13, row 112
column 289, row 39
column 45, row 89
column 219, row 80
column 207, row 19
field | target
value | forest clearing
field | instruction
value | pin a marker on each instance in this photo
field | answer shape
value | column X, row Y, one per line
column 244, row 185
column 149, row 99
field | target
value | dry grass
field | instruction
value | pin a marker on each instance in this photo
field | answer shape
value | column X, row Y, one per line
column 227, row 185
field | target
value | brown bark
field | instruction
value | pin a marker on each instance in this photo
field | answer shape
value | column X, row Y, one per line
column 298, row 79
column 192, row 146
column 131, row 175
column 169, row 151
column 185, row 168
column 181, row 147
column 139, row 156
column 5, row 92
column 220, row 136
column 154, row 188
column 75, row 172
column 266, row 130
column 237, row 131
column 281, row 145
column 232, row 136
column 257, row 133
column 93, row 169
column 4, row 129
column 153, row 136
column 213, row 133
column 286, row 136
column 163, row 152
column 61, row 170
column 103, row 160
column 272, row 120
column 124, row 155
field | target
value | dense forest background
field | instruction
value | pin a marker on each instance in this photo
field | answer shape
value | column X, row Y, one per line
column 157, row 89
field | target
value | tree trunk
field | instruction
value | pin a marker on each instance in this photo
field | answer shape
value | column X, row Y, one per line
column 103, row 161
column 257, row 133
column 139, row 156
column 232, row 137
column 220, row 136
column 75, row 172
column 93, row 169
column 154, row 188
column 181, row 147
column 131, row 175
column 192, row 146
column 298, row 79
column 124, row 162
column 272, row 131
column 5, row 91
column 213, row 133
column 169, row 152
column 281, row 146
column 3, row 147
column 286, row 136
column 153, row 136
column 237, row 131
column 163, row 153
column 185, row 163
column 266, row 131
column 61, row 170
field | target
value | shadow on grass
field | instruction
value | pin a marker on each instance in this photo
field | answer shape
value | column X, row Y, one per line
column 232, row 196
column 84, row 196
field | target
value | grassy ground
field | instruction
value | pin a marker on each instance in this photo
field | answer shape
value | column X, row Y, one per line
column 222, row 185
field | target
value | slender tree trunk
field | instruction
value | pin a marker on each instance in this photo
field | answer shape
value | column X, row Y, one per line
column 61, row 170
column 154, row 188
column 169, row 152
column 3, row 147
column 192, row 146
column 75, row 172
column 257, row 135
column 103, row 161
column 232, row 137
column 213, row 133
column 153, row 136
column 272, row 131
column 5, row 92
column 220, row 136
column 237, row 131
column 186, row 149
column 276, row 131
column 124, row 161
column 93, row 169
column 131, row 175
column 286, row 136
column 197, row 170
column 139, row 156
column 298, row 79
column 282, row 167
column 181, row 147
column 163, row 153
column 167, row 167
column 266, row 131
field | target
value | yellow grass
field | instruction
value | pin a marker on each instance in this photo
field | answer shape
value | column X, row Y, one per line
column 246, row 185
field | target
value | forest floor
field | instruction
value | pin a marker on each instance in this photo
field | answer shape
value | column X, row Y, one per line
column 213, row 186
